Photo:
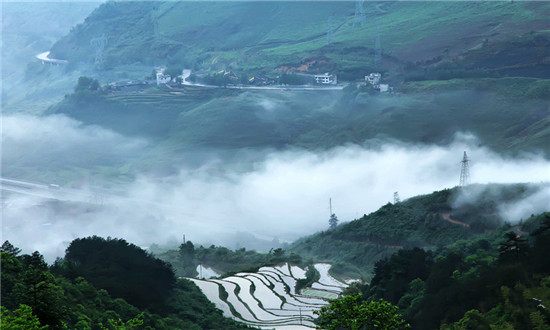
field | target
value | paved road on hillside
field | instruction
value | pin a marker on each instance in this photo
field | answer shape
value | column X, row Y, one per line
column 45, row 59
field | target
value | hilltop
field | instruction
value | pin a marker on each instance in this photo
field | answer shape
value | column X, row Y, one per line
column 430, row 221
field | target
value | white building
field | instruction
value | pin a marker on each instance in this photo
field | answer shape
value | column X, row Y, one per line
column 163, row 78
column 326, row 79
column 373, row 78
column 384, row 88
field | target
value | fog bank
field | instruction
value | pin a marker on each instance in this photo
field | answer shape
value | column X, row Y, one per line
column 283, row 195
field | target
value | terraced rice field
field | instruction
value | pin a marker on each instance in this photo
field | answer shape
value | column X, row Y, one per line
column 267, row 299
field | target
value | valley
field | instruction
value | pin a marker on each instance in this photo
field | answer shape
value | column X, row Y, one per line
column 275, row 165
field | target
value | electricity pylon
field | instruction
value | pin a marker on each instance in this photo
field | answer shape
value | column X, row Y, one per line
column 465, row 171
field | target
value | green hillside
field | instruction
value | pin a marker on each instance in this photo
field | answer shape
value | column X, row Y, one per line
column 262, row 36
column 507, row 114
column 431, row 221
column 456, row 67
column 28, row 29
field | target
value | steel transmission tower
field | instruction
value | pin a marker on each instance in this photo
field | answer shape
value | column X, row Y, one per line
column 465, row 171
column 359, row 18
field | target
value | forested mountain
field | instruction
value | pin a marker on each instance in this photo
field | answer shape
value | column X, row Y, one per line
column 499, row 283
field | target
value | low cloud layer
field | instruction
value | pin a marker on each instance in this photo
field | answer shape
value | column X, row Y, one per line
column 56, row 143
column 283, row 194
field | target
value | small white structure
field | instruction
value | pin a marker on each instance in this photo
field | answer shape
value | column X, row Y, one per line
column 373, row 78
column 163, row 78
column 326, row 79
column 384, row 88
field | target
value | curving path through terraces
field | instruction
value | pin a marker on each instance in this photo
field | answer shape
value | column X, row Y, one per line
column 267, row 299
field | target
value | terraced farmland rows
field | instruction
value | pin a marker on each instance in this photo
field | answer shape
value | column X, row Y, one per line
column 267, row 299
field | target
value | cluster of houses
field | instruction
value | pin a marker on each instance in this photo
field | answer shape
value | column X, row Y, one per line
column 327, row 78
column 162, row 78
column 322, row 79
column 374, row 80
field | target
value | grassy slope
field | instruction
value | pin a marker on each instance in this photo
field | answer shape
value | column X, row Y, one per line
column 266, row 35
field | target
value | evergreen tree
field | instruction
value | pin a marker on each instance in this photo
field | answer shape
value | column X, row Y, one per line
column 9, row 248
column 333, row 221
column 513, row 247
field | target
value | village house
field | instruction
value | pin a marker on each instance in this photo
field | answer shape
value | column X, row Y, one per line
column 325, row 79
column 162, row 78
column 373, row 78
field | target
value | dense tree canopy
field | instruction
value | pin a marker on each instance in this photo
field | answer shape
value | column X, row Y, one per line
column 120, row 267
column 501, row 281
column 351, row 312
column 33, row 297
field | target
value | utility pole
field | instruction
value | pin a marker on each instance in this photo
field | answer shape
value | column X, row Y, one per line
column 330, row 206
column 183, row 238
column 465, row 171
